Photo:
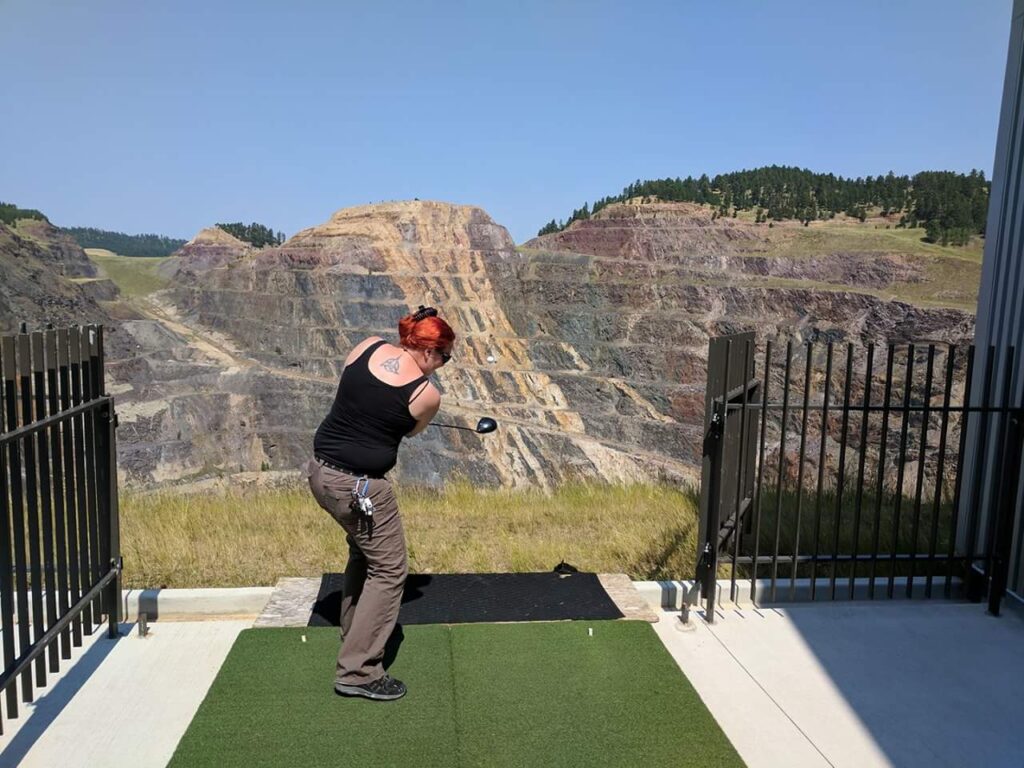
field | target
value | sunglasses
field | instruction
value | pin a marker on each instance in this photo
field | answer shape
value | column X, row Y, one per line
column 445, row 356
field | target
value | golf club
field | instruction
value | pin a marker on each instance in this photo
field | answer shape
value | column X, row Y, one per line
column 485, row 425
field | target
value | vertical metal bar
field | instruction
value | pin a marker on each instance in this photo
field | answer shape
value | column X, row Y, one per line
column 75, row 351
column 48, row 581
column 113, row 529
column 741, row 482
column 106, row 482
column 4, row 602
column 800, row 470
column 880, row 486
column 841, row 479
column 70, row 486
column 57, row 459
column 89, row 387
column 1002, row 529
column 976, row 478
column 908, row 386
column 35, row 569
column 7, row 602
column 958, row 483
column 869, row 369
column 763, row 415
column 782, row 467
column 922, row 454
column 1001, row 479
column 18, row 510
column 821, row 471
column 940, row 470
column 715, row 502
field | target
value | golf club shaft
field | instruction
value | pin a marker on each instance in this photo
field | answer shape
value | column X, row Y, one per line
column 450, row 426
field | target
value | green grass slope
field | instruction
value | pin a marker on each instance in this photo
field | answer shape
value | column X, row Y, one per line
column 133, row 275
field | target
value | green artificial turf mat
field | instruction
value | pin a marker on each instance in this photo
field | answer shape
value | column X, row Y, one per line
column 532, row 694
column 551, row 694
column 273, row 704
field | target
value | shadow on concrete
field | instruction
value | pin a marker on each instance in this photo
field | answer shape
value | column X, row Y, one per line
column 149, row 600
column 934, row 683
column 51, row 701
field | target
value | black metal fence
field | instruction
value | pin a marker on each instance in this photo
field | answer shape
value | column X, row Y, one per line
column 839, row 471
column 60, row 553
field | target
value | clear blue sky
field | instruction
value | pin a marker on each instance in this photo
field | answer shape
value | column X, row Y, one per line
column 160, row 116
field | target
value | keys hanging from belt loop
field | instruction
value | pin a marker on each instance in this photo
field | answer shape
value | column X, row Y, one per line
column 361, row 498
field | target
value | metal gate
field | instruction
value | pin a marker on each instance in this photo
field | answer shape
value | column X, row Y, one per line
column 60, row 553
column 837, row 472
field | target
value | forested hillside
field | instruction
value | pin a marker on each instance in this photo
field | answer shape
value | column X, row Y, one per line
column 950, row 206
column 254, row 234
column 9, row 213
column 126, row 245
column 158, row 245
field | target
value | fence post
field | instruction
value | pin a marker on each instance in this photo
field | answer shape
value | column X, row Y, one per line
column 714, row 443
column 709, row 556
column 113, row 596
column 976, row 579
column 106, row 489
column 1012, row 449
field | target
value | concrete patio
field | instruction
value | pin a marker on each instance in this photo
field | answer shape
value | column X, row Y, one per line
column 860, row 684
column 121, row 702
column 854, row 684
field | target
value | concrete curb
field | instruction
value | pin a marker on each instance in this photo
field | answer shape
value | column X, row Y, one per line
column 663, row 595
column 668, row 595
column 194, row 603
column 236, row 602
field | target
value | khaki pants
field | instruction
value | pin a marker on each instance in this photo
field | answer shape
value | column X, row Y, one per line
column 375, row 573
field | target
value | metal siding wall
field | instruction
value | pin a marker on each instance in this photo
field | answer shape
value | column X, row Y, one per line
column 1000, row 319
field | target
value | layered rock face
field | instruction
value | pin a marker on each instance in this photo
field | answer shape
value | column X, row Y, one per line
column 212, row 247
column 46, row 278
column 647, row 286
column 296, row 310
column 589, row 346
column 658, row 242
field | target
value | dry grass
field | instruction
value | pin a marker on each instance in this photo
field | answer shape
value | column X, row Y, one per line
column 253, row 537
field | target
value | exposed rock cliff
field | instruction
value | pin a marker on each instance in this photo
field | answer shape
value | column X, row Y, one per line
column 46, row 278
column 588, row 346
column 297, row 309
column 669, row 278
column 656, row 241
column 212, row 247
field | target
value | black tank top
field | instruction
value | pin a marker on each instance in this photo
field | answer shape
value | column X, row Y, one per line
column 367, row 421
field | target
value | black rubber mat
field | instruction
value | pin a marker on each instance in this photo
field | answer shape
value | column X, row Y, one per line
column 460, row 598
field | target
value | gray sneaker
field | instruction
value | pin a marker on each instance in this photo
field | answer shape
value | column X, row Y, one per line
column 384, row 688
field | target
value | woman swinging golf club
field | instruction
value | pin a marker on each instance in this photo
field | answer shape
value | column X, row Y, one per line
column 384, row 395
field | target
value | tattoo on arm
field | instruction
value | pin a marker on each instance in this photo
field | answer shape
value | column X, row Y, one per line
column 391, row 364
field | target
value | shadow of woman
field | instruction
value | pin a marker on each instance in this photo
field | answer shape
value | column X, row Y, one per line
column 394, row 642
